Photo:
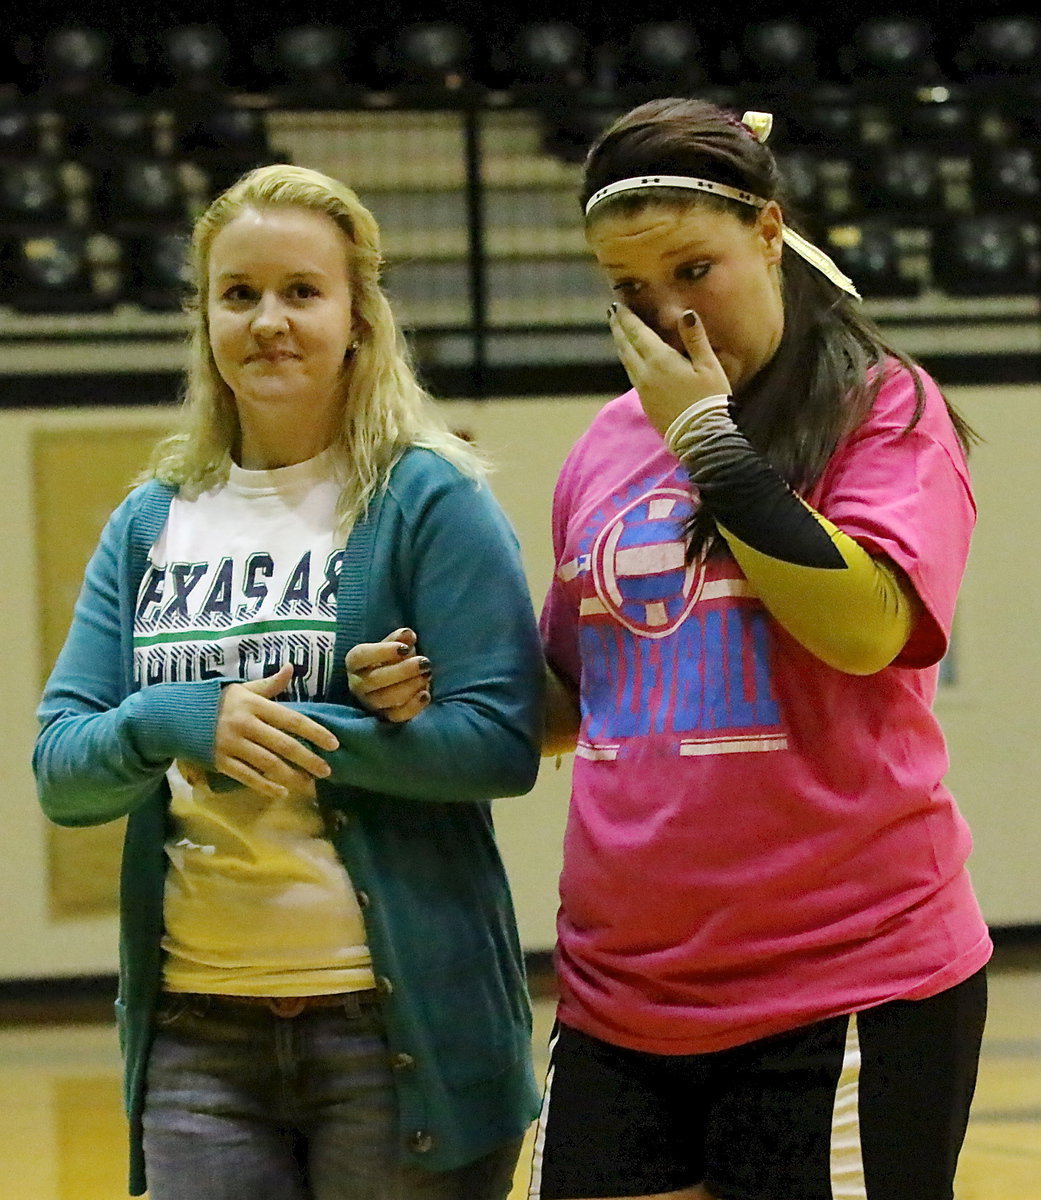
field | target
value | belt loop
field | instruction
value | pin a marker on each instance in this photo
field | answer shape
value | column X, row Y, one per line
column 355, row 1003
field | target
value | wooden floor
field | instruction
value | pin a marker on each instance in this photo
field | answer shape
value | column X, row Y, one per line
column 62, row 1134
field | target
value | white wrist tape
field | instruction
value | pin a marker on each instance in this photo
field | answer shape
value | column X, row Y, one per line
column 701, row 412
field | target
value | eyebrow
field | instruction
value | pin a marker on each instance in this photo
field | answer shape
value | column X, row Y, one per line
column 692, row 247
column 233, row 276
column 669, row 255
column 686, row 248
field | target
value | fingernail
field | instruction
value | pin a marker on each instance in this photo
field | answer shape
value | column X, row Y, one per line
column 402, row 649
column 423, row 661
column 612, row 308
column 690, row 318
column 424, row 697
column 426, row 672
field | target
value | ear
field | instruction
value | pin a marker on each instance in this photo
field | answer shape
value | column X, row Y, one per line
column 770, row 231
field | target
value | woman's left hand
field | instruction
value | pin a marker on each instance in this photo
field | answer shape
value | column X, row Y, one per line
column 668, row 383
column 262, row 743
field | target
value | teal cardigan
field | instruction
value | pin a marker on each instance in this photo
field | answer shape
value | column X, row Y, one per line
column 409, row 804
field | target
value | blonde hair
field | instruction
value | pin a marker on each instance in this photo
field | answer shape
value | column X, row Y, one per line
column 386, row 408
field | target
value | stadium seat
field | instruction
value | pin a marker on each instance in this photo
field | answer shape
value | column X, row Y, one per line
column 19, row 130
column 430, row 62
column 32, row 193
column 155, row 269
column 545, row 57
column 1009, row 177
column 311, row 67
column 135, row 194
column 1001, row 47
column 781, row 51
column 905, row 180
column 990, row 255
column 111, row 132
column 869, row 252
column 661, row 58
column 892, row 48
column 50, row 271
column 194, row 59
column 74, row 66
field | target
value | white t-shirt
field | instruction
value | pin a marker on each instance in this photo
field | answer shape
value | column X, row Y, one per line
column 243, row 579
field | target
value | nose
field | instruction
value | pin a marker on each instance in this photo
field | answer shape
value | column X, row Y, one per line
column 269, row 316
column 663, row 312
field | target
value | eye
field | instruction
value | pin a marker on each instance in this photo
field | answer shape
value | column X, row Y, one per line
column 303, row 291
column 625, row 287
column 691, row 272
column 239, row 293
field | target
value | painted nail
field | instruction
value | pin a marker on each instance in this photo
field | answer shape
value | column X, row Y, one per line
column 402, row 649
column 424, row 697
column 690, row 318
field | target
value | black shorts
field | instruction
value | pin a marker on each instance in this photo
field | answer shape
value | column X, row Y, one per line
column 871, row 1106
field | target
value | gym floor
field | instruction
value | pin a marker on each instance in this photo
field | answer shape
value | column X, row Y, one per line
column 62, row 1133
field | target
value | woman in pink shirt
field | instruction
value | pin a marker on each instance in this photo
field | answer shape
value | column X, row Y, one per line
column 770, row 956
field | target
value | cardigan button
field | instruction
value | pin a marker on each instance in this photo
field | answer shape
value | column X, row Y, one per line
column 363, row 898
column 384, row 986
column 403, row 1062
column 421, row 1142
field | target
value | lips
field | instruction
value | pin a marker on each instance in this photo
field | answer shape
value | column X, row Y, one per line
column 272, row 356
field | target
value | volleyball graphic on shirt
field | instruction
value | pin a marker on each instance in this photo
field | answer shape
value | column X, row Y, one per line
column 638, row 564
column 645, row 610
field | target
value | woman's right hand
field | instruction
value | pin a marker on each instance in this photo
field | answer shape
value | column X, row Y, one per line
column 389, row 678
column 257, row 741
column 667, row 382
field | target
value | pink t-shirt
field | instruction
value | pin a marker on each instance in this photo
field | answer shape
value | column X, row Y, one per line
column 756, row 840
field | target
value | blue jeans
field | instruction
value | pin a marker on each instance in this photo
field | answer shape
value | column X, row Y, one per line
column 245, row 1105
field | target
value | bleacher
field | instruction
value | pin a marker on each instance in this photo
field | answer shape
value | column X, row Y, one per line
column 913, row 157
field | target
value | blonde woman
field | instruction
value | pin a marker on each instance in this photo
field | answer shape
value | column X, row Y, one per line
column 321, row 989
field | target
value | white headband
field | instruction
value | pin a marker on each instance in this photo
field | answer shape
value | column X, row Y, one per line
column 676, row 181
column 759, row 125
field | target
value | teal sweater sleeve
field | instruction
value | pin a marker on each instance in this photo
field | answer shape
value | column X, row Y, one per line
column 438, row 555
column 446, row 563
column 102, row 747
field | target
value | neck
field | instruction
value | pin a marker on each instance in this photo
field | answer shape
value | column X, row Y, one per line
column 269, row 449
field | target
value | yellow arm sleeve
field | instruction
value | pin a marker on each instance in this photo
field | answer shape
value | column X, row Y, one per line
column 562, row 716
column 856, row 619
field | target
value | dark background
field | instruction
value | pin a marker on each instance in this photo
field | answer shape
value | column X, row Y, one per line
column 135, row 27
